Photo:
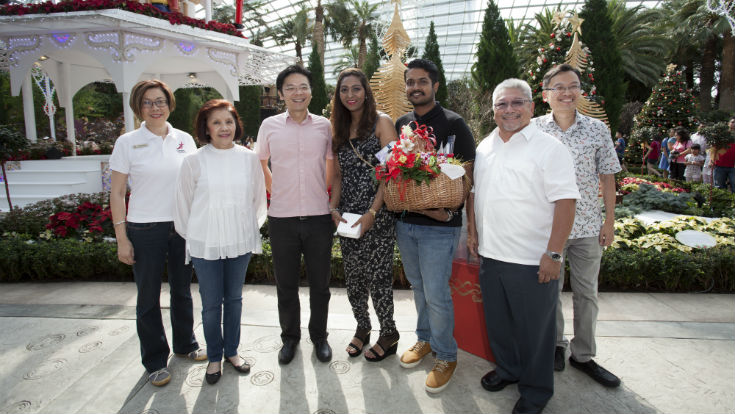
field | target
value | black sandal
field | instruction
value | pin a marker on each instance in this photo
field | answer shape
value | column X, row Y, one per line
column 388, row 344
column 363, row 335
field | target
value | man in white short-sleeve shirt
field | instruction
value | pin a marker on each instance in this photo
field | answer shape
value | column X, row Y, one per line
column 518, row 218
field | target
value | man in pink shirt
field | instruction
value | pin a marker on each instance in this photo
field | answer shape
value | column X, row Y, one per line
column 298, row 145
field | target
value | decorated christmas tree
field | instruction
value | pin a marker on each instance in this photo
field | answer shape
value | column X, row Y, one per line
column 562, row 45
column 670, row 105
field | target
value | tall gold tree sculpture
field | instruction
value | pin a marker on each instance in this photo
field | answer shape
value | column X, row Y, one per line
column 577, row 57
column 387, row 82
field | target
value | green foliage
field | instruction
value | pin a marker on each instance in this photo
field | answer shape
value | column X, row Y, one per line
column 431, row 52
column 98, row 100
column 597, row 32
column 717, row 135
column 496, row 59
column 32, row 260
column 11, row 141
column 650, row 270
column 372, row 61
column 319, row 98
column 649, row 198
column 248, row 107
column 11, row 107
column 670, row 105
column 188, row 102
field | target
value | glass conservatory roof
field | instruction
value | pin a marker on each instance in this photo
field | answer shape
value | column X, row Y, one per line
column 457, row 24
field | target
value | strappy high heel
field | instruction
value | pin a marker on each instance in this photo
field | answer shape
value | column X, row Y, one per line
column 388, row 344
column 364, row 336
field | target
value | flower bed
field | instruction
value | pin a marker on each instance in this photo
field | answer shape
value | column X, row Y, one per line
column 128, row 5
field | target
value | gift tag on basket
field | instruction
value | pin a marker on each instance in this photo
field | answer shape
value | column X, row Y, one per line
column 453, row 171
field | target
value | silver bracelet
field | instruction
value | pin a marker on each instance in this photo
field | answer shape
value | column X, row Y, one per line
column 450, row 215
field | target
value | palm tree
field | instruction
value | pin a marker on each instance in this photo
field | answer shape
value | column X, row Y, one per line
column 643, row 45
column 296, row 30
column 697, row 32
column 318, row 36
column 346, row 15
column 367, row 19
column 348, row 60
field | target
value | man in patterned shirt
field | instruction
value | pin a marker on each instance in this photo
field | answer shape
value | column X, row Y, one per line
column 595, row 162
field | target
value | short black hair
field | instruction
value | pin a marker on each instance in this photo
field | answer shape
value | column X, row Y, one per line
column 564, row 67
column 290, row 71
column 696, row 147
column 426, row 65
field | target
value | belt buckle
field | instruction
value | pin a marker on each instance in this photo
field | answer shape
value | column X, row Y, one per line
column 302, row 218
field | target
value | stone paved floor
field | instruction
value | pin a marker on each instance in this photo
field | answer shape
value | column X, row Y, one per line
column 72, row 348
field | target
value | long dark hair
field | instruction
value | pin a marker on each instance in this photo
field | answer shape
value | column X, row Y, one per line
column 342, row 118
column 683, row 134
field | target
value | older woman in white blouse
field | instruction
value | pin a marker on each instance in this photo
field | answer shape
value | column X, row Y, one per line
column 220, row 206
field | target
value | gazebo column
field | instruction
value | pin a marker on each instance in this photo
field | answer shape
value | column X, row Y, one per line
column 68, row 106
column 207, row 10
column 128, row 113
column 28, row 108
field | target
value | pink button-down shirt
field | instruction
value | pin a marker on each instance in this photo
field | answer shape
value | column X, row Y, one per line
column 298, row 154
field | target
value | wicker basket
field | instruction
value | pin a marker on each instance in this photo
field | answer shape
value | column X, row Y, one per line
column 441, row 192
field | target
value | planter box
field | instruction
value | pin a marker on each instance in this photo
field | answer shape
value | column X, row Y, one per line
column 470, row 331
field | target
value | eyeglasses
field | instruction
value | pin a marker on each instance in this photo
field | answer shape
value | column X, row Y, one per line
column 294, row 89
column 515, row 104
column 564, row 89
column 160, row 103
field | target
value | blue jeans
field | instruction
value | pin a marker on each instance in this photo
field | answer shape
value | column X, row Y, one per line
column 220, row 284
column 426, row 253
column 722, row 174
column 157, row 247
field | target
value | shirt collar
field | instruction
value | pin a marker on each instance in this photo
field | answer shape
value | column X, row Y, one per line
column 578, row 119
column 527, row 133
column 288, row 116
column 436, row 110
column 150, row 135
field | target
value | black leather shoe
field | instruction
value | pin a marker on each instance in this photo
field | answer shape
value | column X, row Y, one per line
column 287, row 352
column 525, row 407
column 559, row 360
column 492, row 382
column 597, row 372
column 323, row 350
column 213, row 377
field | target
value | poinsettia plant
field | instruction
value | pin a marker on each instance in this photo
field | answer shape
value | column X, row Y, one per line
column 87, row 220
column 413, row 156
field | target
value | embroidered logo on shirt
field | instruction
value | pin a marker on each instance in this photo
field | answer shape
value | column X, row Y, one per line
column 180, row 148
column 140, row 146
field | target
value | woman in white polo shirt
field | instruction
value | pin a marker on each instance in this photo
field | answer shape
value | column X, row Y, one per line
column 148, row 159
column 220, row 205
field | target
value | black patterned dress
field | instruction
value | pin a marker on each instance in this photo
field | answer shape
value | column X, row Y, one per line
column 368, row 261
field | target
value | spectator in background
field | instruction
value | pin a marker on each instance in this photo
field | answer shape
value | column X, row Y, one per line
column 651, row 157
column 725, row 163
column 620, row 149
column 694, row 161
column 679, row 151
column 700, row 139
column 666, row 145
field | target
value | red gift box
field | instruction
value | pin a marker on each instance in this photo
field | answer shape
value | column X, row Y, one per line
column 470, row 331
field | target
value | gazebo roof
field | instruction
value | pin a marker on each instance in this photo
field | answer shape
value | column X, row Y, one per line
column 124, row 47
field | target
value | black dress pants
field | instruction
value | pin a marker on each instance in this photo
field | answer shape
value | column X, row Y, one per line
column 292, row 237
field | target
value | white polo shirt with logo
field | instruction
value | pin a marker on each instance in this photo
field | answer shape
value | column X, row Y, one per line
column 152, row 165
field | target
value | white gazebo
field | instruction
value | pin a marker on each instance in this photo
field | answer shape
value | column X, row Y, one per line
column 113, row 45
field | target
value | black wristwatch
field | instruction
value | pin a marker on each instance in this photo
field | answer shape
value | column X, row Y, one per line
column 557, row 257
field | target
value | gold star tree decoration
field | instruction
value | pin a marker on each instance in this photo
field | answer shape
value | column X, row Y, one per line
column 387, row 82
column 578, row 58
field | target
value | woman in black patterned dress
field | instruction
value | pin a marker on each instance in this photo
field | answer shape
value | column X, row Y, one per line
column 359, row 131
